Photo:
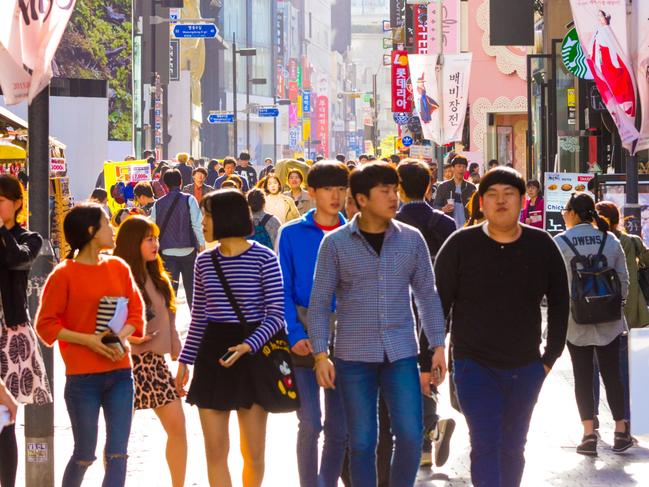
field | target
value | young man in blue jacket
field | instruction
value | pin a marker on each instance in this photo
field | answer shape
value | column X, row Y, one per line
column 298, row 245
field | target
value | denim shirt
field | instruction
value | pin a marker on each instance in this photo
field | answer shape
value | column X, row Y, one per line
column 374, row 312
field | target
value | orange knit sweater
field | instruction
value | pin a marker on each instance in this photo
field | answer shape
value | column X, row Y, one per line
column 70, row 300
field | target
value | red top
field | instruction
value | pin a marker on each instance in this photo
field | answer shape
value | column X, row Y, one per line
column 325, row 228
column 70, row 300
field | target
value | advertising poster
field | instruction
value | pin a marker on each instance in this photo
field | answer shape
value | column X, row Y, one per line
column 616, row 192
column 424, row 83
column 557, row 191
column 457, row 73
column 129, row 173
column 401, row 101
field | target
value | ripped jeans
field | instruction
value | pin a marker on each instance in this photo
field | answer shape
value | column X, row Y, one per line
column 84, row 395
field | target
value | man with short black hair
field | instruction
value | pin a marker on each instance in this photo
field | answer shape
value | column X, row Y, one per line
column 179, row 218
column 494, row 305
column 453, row 195
column 229, row 166
column 268, row 168
column 395, row 159
column 371, row 265
column 362, row 159
column 144, row 197
column 198, row 188
column 341, row 158
column 245, row 170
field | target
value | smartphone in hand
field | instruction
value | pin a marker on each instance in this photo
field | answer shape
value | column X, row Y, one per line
column 113, row 341
column 229, row 356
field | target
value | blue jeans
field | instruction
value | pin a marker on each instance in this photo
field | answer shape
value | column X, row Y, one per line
column 497, row 405
column 84, row 395
column 184, row 265
column 359, row 383
column 309, row 428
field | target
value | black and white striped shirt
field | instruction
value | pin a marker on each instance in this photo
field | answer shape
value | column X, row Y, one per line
column 256, row 282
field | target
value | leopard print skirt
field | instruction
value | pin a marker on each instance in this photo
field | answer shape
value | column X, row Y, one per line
column 154, row 384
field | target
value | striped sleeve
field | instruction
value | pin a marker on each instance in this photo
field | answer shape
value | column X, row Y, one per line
column 273, row 297
column 199, row 317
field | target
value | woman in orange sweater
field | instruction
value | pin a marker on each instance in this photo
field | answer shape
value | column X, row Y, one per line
column 98, row 369
column 155, row 388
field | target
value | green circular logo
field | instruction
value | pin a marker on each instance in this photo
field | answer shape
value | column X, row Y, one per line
column 573, row 56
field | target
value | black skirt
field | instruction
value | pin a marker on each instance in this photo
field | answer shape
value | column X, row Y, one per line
column 214, row 386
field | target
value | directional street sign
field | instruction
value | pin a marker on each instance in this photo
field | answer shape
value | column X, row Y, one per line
column 268, row 111
column 182, row 31
column 220, row 118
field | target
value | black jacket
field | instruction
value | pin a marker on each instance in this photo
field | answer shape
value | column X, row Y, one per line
column 446, row 191
column 436, row 227
column 185, row 172
column 18, row 250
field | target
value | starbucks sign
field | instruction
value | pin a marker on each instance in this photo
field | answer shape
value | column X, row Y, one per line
column 573, row 56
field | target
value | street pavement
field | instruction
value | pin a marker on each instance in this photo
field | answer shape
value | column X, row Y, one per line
column 551, row 459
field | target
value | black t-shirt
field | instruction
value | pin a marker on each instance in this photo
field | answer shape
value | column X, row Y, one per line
column 375, row 240
column 248, row 173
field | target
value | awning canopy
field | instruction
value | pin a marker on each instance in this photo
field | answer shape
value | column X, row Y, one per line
column 9, row 151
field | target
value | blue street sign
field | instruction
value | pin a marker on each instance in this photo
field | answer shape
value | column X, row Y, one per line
column 306, row 101
column 407, row 141
column 182, row 31
column 268, row 111
column 220, row 118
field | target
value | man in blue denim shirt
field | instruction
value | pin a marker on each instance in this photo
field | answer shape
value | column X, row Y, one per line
column 371, row 265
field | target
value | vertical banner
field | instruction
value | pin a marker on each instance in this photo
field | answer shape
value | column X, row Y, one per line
column 280, row 81
column 421, row 22
column 457, row 73
column 322, row 113
column 424, row 82
column 400, row 99
column 450, row 26
column 602, row 29
column 641, row 64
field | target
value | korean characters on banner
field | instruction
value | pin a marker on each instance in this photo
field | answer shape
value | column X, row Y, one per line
column 457, row 72
column 602, row 29
column 425, row 96
column 401, row 101
column 322, row 114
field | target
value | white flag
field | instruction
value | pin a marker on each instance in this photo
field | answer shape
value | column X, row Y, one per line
column 424, row 93
column 30, row 32
column 457, row 73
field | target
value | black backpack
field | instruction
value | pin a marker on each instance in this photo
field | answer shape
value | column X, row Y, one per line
column 595, row 290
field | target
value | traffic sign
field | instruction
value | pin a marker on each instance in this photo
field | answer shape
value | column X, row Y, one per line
column 182, row 31
column 268, row 111
column 221, row 117
column 407, row 141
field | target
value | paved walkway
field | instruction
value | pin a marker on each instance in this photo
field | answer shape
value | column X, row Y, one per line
column 551, row 457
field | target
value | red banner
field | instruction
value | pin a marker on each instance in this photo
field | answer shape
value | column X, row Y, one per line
column 306, row 73
column 401, row 101
column 292, row 69
column 292, row 91
column 281, row 92
column 322, row 113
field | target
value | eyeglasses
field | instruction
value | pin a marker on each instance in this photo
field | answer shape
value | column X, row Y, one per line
column 565, row 210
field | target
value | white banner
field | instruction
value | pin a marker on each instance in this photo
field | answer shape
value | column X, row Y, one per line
column 424, row 86
column 30, row 32
column 457, row 73
column 602, row 29
column 641, row 64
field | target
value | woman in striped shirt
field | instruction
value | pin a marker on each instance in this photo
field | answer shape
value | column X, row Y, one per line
column 218, row 387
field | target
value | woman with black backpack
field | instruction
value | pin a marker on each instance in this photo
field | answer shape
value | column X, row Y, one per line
column 588, row 247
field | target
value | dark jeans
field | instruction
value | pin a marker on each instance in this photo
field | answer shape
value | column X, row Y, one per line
column 84, row 396
column 608, row 358
column 398, row 382
column 181, row 265
column 624, row 374
column 386, row 443
column 309, row 428
column 8, row 456
column 497, row 405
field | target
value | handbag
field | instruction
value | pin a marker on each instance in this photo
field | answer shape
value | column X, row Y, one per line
column 273, row 376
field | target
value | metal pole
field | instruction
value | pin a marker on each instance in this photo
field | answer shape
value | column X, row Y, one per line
column 248, row 104
column 153, row 79
column 234, row 92
column 39, row 420
column 439, row 26
column 275, row 131
column 376, row 117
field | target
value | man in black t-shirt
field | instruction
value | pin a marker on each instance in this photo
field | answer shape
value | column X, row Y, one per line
column 245, row 170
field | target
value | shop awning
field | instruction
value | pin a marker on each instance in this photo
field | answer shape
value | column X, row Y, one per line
column 9, row 151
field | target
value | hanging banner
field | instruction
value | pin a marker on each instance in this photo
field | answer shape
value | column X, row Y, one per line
column 424, row 83
column 457, row 73
column 601, row 25
column 641, row 64
column 322, row 114
column 30, row 33
column 401, row 101
column 450, row 26
column 421, row 29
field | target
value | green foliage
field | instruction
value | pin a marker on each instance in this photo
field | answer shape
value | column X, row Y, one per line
column 97, row 45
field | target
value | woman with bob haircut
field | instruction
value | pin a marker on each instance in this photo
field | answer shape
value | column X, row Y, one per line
column 155, row 388
column 278, row 204
column 80, row 299
column 218, row 387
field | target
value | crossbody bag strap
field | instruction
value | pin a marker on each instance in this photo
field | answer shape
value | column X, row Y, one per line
column 170, row 211
column 227, row 288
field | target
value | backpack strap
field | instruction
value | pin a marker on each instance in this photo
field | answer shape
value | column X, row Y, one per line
column 265, row 219
column 601, row 246
column 572, row 247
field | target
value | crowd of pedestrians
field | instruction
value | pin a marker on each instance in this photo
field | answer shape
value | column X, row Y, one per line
column 329, row 289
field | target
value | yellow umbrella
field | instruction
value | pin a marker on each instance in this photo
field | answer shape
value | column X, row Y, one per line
column 9, row 151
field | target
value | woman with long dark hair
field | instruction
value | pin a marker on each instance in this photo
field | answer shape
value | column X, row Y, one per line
column 587, row 233
column 91, row 305
column 21, row 362
column 137, row 243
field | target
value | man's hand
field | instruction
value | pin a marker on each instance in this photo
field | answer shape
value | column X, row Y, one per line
column 182, row 377
column 438, row 369
column 302, row 348
column 325, row 373
column 424, row 379
column 448, row 208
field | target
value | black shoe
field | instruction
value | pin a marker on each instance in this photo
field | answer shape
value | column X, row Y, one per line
column 588, row 445
column 596, row 426
column 622, row 442
column 442, row 439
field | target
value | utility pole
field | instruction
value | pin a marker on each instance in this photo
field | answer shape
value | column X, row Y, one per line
column 234, row 92
column 39, row 420
column 248, row 105
column 375, row 116
column 439, row 26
